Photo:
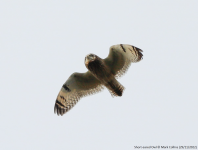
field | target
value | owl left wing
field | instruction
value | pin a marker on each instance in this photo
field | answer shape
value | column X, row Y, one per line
column 78, row 85
column 120, row 58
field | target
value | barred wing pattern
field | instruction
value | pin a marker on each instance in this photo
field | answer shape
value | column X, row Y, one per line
column 120, row 58
column 77, row 86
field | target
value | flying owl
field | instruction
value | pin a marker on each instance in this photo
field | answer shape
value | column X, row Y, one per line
column 101, row 73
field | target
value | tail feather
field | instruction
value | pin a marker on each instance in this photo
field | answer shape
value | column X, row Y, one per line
column 115, row 88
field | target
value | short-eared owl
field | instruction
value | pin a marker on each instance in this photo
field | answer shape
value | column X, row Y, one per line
column 101, row 73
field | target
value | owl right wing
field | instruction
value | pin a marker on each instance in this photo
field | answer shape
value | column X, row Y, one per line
column 120, row 58
column 78, row 85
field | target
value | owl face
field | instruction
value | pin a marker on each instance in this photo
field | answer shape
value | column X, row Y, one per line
column 89, row 58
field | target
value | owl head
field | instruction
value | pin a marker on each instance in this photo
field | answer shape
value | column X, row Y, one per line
column 90, row 58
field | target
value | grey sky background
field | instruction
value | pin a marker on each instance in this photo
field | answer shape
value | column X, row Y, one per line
column 43, row 42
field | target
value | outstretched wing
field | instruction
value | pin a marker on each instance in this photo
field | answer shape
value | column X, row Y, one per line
column 120, row 58
column 78, row 85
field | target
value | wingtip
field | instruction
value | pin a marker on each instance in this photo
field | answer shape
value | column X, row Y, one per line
column 139, row 51
column 59, row 110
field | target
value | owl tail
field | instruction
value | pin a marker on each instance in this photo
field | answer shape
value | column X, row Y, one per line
column 115, row 88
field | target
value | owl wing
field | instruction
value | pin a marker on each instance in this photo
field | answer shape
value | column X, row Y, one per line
column 78, row 85
column 120, row 58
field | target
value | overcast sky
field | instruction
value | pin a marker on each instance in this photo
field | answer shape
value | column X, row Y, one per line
column 42, row 42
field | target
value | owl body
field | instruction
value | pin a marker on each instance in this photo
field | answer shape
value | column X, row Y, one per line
column 99, row 69
column 101, row 73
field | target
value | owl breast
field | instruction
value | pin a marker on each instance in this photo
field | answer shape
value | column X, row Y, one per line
column 99, row 70
column 102, row 73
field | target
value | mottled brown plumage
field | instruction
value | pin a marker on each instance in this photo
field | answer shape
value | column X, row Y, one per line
column 98, row 68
